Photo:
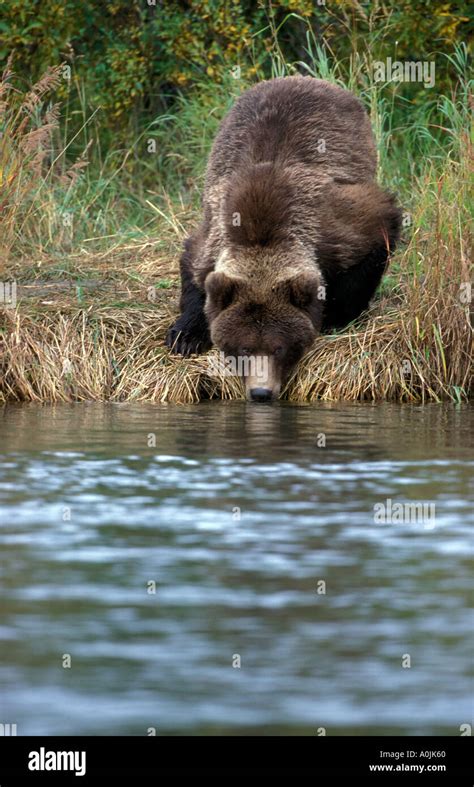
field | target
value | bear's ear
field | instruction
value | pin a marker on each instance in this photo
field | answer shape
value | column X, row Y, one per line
column 305, row 292
column 220, row 291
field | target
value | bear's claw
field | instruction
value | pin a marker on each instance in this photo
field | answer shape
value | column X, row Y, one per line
column 186, row 342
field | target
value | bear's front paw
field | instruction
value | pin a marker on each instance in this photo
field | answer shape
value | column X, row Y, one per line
column 184, row 340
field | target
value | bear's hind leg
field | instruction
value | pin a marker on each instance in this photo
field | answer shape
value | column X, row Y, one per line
column 350, row 291
column 190, row 333
column 363, row 228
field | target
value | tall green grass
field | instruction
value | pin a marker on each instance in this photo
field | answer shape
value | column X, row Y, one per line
column 61, row 191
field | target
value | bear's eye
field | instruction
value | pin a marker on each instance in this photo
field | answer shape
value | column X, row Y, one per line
column 246, row 351
column 278, row 351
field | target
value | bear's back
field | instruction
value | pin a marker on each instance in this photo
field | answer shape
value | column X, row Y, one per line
column 296, row 121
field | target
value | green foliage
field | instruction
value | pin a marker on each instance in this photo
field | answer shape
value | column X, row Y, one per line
column 135, row 55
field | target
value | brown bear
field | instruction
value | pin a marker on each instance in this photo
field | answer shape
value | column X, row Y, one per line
column 295, row 234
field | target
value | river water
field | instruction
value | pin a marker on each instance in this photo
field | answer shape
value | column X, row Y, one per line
column 236, row 568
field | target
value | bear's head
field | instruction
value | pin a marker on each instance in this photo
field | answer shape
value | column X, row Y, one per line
column 264, row 323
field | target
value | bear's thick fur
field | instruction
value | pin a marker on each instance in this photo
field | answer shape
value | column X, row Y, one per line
column 295, row 235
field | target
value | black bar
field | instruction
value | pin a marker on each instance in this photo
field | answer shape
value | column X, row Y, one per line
column 123, row 758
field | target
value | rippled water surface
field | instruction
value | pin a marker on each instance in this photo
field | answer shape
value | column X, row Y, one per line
column 256, row 525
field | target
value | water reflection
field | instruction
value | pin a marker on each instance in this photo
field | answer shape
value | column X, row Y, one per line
column 237, row 513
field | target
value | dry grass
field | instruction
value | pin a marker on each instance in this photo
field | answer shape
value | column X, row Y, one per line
column 105, row 355
column 118, row 355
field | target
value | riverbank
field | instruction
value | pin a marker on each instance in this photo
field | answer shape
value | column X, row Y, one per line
column 91, row 326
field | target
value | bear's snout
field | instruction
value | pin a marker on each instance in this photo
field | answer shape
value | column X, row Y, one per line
column 261, row 394
column 262, row 377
